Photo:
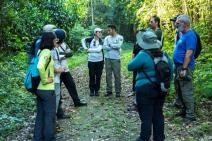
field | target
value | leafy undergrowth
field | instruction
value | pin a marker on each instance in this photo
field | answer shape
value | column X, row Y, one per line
column 16, row 103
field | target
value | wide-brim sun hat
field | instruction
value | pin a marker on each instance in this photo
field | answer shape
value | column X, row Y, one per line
column 148, row 40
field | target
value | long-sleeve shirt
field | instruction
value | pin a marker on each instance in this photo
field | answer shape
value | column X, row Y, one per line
column 63, row 50
column 46, row 69
column 144, row 62
column 112, row 46
column 95, row 53
column 57, row 64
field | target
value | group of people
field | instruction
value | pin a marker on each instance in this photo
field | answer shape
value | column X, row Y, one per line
column 107, row 52
column 53, row 69
column 149, row 99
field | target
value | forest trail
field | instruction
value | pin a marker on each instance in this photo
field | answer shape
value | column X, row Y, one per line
column 107, row 118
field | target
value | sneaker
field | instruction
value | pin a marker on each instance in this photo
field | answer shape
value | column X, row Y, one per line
column 79, row 104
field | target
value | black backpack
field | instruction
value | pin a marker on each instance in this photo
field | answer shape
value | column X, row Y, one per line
column 163, row 72
column 198, row 46
column 89, row 40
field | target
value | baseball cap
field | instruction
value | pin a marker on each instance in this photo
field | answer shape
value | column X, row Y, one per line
column 174, row 18
column 97, row 30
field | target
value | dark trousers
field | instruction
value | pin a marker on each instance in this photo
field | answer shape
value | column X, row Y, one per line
column 45, row 119
column 134, row 80
column 68, row 80
column 95, row 73
column 150, row 109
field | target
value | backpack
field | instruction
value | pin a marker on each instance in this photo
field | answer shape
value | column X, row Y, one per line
column 33, row 48
column 89, row 40
column 163, row 72
column 32, row 78
column 198, row 46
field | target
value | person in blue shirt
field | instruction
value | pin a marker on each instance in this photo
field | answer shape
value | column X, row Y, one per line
column 184, row 61
column 149, row 98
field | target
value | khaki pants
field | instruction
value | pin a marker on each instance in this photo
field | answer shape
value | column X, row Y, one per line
column 113, row 66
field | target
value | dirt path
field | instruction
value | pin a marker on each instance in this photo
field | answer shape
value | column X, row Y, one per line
column 112, row 119
column 104, row 119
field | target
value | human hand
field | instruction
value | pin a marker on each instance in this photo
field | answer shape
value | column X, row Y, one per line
column 60, row 70
column 49, row 80
column 183, row 73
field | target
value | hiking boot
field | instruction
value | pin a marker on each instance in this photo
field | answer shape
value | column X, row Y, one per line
column 181, row 114
column 108, row 94
column 79, row 104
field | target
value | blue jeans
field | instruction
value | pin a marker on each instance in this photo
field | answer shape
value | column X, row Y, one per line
column 150, row 108
column 45, row 119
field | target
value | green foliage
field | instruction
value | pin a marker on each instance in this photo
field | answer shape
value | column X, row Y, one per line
column 202, row 129
column 16, row 103
column 22, row 21
column 77, row 33
column 77, row 59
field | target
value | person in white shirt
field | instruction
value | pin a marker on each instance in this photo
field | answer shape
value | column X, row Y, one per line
column 58, row 69
column 112, row 46
column 66, row 77
column 95, row 60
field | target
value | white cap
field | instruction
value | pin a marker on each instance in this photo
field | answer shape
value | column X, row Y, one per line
column 97, row 30
column 49, row 28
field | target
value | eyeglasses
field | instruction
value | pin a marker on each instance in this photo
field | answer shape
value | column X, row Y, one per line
column 94, row 43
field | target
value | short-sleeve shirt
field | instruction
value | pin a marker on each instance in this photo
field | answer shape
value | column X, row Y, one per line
column 186, row 42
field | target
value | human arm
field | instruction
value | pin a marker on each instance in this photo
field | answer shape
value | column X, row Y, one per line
column 84, row 43
column 117, row 44
column 106, row 44
column 190, row 48
column 98, row 49
column 187, row 60
column 136, row 63
column 65, row 51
